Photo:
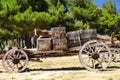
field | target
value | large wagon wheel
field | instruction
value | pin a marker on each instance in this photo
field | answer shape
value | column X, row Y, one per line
column 95, row 55
column 15, row 60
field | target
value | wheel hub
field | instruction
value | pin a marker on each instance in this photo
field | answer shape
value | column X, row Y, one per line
column 95, row 56
column 16, row 61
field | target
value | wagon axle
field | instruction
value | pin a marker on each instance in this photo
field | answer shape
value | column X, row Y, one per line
column 95, row 56
column 16, row 61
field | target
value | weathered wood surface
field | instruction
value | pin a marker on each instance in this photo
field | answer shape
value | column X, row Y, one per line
column 73, row 35
column 44, row 44
column 79, row 37
column 42, row 34
column 74, row 43
column 60, row 44
column 34, row 51
column 90, row 33
column 104, row 37
column 108, row 39
column 58, row 32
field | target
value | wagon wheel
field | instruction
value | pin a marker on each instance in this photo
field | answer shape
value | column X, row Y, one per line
column 116, row 54
column 95, row 55
column 15, row 60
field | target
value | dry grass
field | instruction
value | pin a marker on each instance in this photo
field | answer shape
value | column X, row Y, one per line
column 62, row 68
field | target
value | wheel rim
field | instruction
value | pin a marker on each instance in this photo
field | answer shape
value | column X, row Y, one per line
column 15, row 60
column 95, row 55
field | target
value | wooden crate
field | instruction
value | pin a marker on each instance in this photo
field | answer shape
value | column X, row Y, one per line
column 58, row 32
column 44, row 44
column 90, row 33
column 60, row 44
column 74, row 38
column 74, row 43
column 73, row 35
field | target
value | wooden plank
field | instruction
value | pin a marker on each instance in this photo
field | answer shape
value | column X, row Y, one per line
column 30, row 51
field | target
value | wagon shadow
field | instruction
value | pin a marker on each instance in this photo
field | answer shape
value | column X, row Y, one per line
column 57, row 69
column 114, row 67
column 111, row 68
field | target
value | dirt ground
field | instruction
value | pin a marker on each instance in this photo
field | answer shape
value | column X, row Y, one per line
column 61, row 68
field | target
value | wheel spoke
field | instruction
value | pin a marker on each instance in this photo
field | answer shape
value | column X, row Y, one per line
column 93, row 63
column 91, row 48
column 17, row 66
column 18, row 54
column 10, row 64
column 100, row 49
column 85, row 50
column 10, row 57
column 21, row 63
column 88, row 60
column 100, row 62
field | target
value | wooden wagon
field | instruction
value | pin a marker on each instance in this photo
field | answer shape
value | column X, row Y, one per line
column 93, row 54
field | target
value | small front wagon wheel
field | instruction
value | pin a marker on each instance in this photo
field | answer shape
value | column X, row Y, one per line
column 15, row 60
column 95, row 55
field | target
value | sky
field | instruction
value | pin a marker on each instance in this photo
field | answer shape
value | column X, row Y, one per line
column 99, row 2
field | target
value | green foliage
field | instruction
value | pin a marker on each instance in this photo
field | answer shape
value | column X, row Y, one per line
column 79, row 24
column 5, row 34
column 22, row 16
column 40, row 22
column 10, row 7
column 110, row 7
column 38, row 5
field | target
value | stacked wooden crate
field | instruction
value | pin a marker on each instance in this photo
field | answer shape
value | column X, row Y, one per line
column 58, row 32
column 60, row 44
column 90, row 33
column 87, row 35
column 59, row 38
column 44, row 44
column 74, row 38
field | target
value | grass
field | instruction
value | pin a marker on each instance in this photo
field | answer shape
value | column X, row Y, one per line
column 110, row 79
column 3, row 79
column 36, row 73
column 62, row 68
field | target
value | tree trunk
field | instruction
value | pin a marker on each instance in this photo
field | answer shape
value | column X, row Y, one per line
column 27, row 41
